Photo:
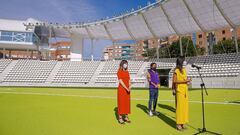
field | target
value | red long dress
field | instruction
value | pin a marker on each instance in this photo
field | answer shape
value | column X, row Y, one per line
column 123, row 97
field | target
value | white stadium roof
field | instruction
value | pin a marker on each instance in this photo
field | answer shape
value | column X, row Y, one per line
column 16, row 25
column 160, row 19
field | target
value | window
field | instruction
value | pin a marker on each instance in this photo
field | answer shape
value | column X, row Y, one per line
column 17, row 36
column 200, row 36
column 223, row 32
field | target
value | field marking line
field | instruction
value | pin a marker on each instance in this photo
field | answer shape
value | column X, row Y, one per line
column 105, row 97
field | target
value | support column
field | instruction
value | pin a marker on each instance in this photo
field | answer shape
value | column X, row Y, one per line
column 76, row 50
column 4, row 53
column 205, row 43
column 92, row 49
column 210, row 38
column 10, row 54
column 181, row 49
column 157, row 48
column 235, row 39
column 27, row 53
column 31, row 54
column 113, row 54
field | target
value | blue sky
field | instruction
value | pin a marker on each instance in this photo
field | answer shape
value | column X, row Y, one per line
column 64, row 11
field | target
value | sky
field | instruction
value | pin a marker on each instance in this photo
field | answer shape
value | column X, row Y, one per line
column 65, row 11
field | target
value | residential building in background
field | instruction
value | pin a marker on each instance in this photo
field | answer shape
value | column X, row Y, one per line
column 123, row 51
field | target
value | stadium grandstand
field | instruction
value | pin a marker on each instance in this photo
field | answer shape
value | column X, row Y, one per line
column 223, row 67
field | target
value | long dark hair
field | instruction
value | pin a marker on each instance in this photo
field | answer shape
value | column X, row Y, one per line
column 122, row 63
column 179, row 63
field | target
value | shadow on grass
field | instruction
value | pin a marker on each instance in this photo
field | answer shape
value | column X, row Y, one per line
column 116, row 113
column 235, row 102
column 170, row 108
column 143, row 107
column 162, row 116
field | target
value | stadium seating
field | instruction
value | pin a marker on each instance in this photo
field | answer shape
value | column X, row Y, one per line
column 76, row 72
column 163, row 65
column 111, row 67
column 33, row 71
column 164, row 60
column 221, row 65
column 108, row 73
column 4, row 63
column 104, row 73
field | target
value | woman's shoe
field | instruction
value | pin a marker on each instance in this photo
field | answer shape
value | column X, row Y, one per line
column 184, row 127
column 150, row 113
column 179, row 128
column 121, row 121
column 126, row 119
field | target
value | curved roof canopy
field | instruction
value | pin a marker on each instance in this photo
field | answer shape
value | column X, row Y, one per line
column 160, row 19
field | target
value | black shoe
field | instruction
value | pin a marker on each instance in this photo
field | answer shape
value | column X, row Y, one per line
column 156, row 113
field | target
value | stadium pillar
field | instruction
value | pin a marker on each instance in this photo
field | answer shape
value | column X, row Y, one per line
column 113, row 54
column 10, row 54
column 27, row 53
column 76, row 50
column 205, row 43
column 4, row 53
column 92, row 48
column 31, row 54
column 235, row 39
column 181, row 49
column 211, row 43
column 157, row 48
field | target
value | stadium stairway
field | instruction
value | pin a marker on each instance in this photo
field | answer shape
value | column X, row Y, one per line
column 96, row 74
column 7, row 70
column 54, row 72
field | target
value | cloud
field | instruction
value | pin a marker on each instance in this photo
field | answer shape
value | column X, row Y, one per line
column 75, row 10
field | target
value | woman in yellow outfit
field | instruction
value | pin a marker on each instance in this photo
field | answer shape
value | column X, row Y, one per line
column 181, row 81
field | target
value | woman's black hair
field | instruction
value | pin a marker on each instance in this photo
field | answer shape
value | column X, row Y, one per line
column 179, row 62
column 151, row 65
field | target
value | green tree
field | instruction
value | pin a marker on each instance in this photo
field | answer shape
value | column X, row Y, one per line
column 187, row 45
column 173, row 50
column 150, row 53
column 225, row 46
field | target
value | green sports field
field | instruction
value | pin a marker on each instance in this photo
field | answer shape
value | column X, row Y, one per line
column 75, row 111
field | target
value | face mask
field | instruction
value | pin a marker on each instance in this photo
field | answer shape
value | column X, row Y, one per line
column 154, row 68
column 125, row 66
column 184, row 64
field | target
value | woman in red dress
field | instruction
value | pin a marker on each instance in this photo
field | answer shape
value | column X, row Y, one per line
column 123, row 95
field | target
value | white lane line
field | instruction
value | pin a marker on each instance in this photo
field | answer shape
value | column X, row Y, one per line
column 106, row 97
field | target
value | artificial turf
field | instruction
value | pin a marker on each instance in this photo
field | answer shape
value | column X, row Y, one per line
column 78, row 111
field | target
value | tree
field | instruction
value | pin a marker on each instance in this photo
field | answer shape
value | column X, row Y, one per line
column 173, row 50
column 188, row 48
column 150, row 53
column 225, row 46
